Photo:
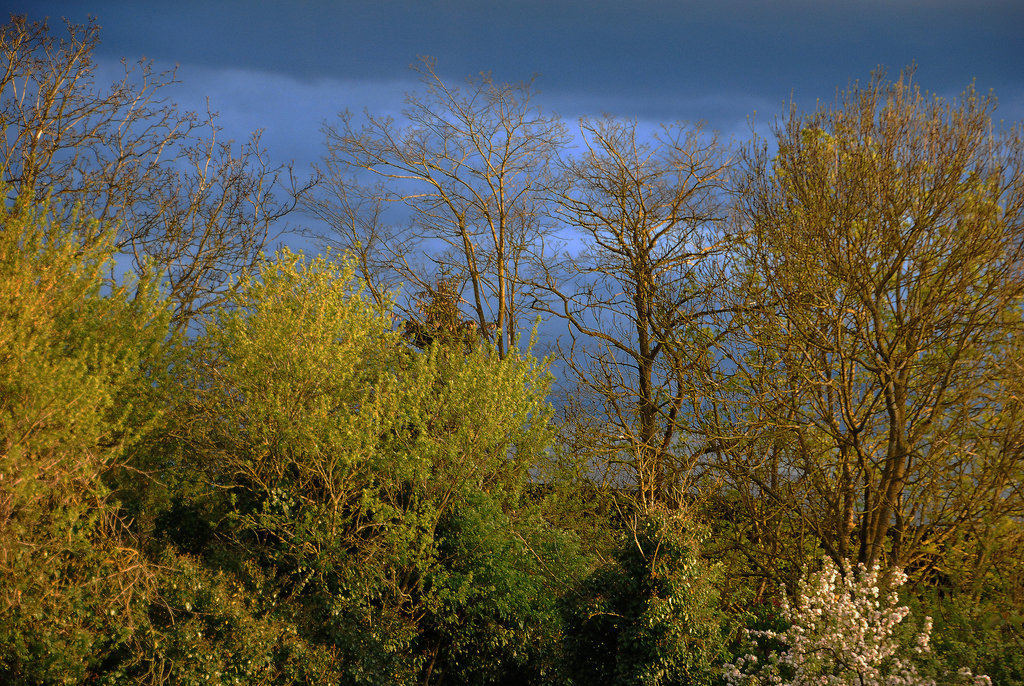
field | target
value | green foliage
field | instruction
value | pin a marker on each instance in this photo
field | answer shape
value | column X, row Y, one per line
column 212, row 628
column 298, row 495
column 493, row 616
column 976, row 635
column 757, row 621
column 76, row 357
column 376, row 490
column 974, row 591
column 651, row 616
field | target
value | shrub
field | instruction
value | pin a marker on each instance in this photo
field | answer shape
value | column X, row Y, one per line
column 843, row 629
column 75, row 385
column 651, row 616
column 377, row 489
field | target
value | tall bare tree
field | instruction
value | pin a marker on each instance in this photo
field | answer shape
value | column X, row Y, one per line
column 182, row 200
column 636, row 294
column 468, row 165
column 883, row 245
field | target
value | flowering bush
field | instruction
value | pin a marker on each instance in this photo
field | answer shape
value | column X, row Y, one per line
column 843, row 630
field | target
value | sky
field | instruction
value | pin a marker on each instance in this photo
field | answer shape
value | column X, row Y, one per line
column 287, row 66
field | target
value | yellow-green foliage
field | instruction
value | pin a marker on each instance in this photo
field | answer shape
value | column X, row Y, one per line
column 74, row 349
column 336, row 459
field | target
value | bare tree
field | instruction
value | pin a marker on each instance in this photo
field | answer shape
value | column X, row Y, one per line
column 181, row 201
column 883, row 245
column 636, row 295
column 468, row 165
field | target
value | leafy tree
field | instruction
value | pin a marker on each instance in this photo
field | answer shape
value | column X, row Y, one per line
column 868, row 404
column 78, row 357
column 360, row 482
column 212, row 627
column 651, row 615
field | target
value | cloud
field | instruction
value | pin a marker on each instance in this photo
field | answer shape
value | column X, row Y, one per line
column 290, row 111
column 658, row 59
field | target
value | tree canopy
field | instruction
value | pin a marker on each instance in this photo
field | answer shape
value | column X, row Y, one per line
column 788, row 381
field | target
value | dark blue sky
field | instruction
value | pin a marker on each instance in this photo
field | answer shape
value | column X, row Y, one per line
column 287, row 65
column 647, row 49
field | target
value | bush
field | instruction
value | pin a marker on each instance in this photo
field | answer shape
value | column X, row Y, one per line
column 649, row 617
column 377, row 489
column 77, row 352
column 843, row 629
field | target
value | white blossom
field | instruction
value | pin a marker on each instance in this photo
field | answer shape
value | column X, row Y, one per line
column 841, row 633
